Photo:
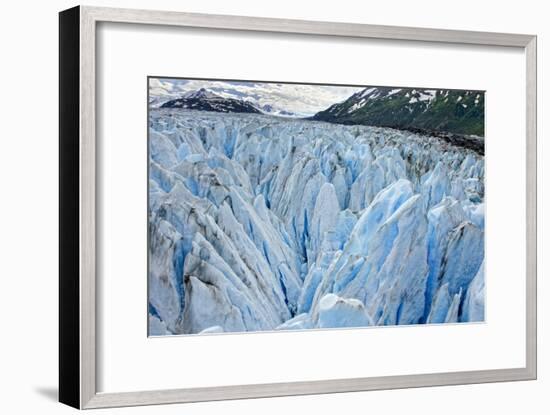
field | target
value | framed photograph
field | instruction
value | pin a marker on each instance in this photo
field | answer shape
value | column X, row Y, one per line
column 254, row 207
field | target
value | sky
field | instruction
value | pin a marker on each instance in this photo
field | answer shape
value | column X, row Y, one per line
column 301, row 99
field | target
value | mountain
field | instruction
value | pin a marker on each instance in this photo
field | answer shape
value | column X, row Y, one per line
column 266, row 223
column 203, row 100
column 270, row 110
column 428, row 110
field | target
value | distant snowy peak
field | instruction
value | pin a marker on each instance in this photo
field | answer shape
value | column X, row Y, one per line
column 201, row 94
column 204, row 100
column 269, row 109
column 452, row 111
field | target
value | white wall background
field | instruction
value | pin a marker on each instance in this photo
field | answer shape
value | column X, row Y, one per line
column 28, row 207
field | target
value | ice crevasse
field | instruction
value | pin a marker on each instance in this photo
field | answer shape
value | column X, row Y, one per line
column 262, row 223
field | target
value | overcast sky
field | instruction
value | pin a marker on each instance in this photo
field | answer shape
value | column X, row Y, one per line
column 298, row 98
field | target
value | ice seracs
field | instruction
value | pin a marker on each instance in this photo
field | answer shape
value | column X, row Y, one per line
column 263, row 223
column 336, row 312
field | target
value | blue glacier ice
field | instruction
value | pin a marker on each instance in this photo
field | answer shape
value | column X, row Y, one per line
column 264, row 223
column 335, row 311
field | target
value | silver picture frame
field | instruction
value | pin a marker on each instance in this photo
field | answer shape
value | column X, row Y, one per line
column 77, row 276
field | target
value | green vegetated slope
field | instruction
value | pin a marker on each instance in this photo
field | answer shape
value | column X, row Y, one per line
column 452, row 111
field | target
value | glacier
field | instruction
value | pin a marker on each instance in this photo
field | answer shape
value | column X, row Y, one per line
column 259, row 222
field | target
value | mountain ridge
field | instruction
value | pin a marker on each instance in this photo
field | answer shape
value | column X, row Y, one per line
column 204, row 100
column 428, row 110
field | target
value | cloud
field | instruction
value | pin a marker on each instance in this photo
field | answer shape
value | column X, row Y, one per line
column 301, row 99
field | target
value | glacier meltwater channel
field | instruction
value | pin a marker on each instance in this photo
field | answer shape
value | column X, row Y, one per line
column 264, row 223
